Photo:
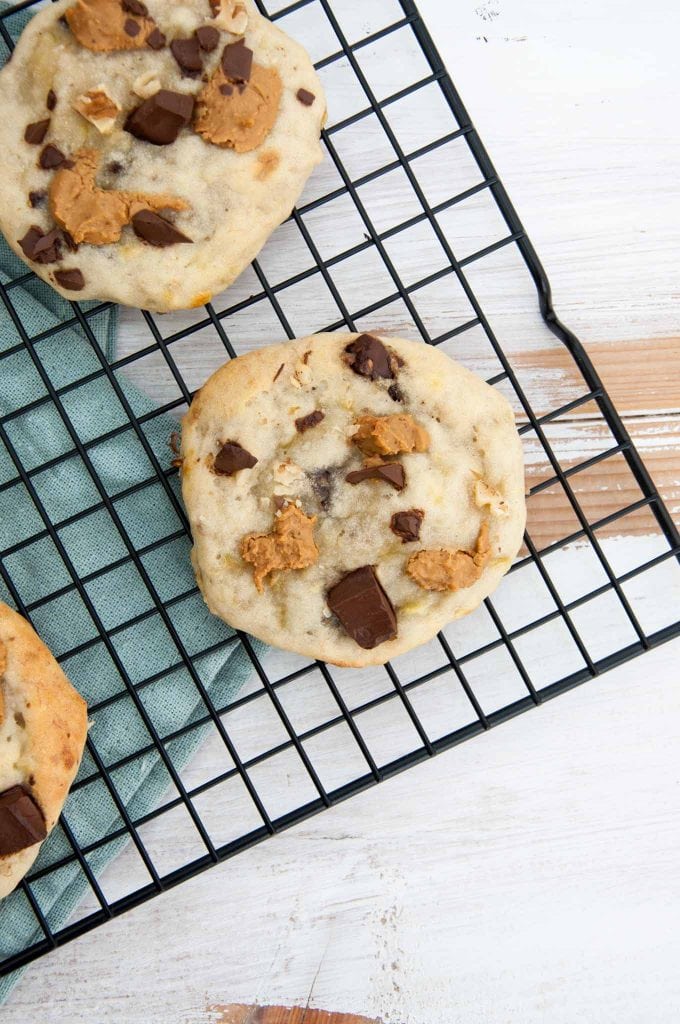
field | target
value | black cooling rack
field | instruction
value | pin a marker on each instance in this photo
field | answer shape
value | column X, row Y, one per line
column 338, row 726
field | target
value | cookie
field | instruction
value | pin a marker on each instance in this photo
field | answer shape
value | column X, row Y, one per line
column 349, row 495
column 150, row 149
column 43, row 726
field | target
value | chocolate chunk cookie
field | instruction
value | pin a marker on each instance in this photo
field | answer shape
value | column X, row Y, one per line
column 43, row 725
column 197, row 107
column 334, row 519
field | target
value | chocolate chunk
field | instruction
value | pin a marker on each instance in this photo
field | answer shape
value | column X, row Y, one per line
column 36, row 132
column 237, row 61
column 395, row 393
column 51, row 100
column 21, row 821
column 51, row 157
column 156, row 230
column 187, row 53
column 135, row 7
column 40, row 247
column 231, row 458
column 70, row 244
column 407, row 524
column 71, row 280
column 37, row 198
column 226, row 90
column 155, row 39
column 131, row 27
column 370, row 358
column 303, row 423
column 208, row 38
column 391, row 472
column 305, row 97
column 160, row 118
column 363, row 607
column 322, row 485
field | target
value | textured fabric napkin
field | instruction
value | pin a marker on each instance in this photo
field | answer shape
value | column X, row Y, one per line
column 94, row 545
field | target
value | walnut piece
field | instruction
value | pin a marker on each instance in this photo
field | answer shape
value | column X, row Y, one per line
column 445, row 569
column 390, row 435
column 290, row 545
column 97, row 107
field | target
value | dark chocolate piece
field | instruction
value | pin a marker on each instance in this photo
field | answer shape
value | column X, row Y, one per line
column 407, row 524
column 370, row 358
column 208, row 38
column 37, row 199
column 68, row 239
column 237, row 62
column 51, row 100
column 22, row 823
column 156, row 230
column 363, row 608
column 40, row 247
column 51, row 157
column 155, row 39
column 226, row 90
column 131, row 27
column 71, row 280
column 395, row 393
column 160, row 118
column 303, row 423
column 187, row 53
column 305, row 97
column 231, row 458
column 36, row 132
column 391, row 472
column 135, row 7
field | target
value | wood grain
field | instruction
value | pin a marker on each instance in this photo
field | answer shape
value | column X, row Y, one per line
column 239, row 1014
column 643, row 380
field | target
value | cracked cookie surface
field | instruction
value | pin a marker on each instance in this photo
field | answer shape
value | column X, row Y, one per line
column 359, row 537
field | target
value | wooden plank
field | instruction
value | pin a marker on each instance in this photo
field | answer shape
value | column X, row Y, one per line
column 239, row 1014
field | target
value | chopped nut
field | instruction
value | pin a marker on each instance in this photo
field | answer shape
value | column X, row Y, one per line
column 290, row 545
column 445, row 569
column 97, row 107
column 488, row 497
column 146, row 84
column 288, row 477
column 230, row 15
column 390, row 435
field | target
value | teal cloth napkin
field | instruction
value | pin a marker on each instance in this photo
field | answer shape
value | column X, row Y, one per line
column 118, row 593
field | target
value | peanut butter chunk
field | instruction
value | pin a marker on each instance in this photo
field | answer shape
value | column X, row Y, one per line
column 290, row 545
column 445, row 569
column 97, row 215
column 390, row 435
column 238, row 115
column 97, row 107
column 105, row 26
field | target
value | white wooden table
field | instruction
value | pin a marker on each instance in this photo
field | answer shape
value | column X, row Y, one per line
column 532, row 874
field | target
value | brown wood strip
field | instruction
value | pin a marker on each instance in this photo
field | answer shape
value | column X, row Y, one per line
column 238, row 1014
